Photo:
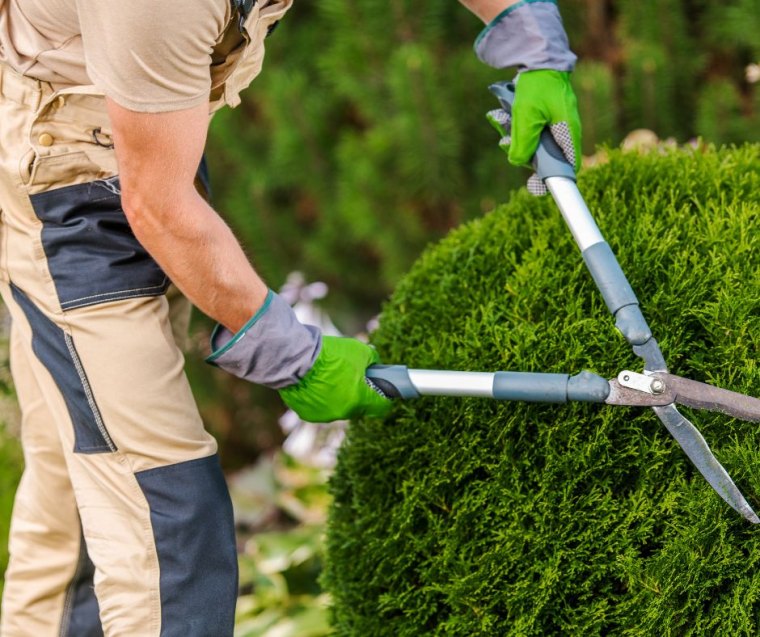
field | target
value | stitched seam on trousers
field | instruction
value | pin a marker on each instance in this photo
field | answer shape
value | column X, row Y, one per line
column 150, row 542
column 88, row 392
column 128, row 293
column 68, row 604
column 99, row 199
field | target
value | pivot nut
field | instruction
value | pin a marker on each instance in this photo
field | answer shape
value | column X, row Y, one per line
column 641, row 382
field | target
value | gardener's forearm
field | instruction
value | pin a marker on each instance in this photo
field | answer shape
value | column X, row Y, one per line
column 487, row 10
column 158, row 156
column 200, row 254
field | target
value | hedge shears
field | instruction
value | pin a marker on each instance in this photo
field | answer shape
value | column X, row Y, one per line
column 655, row 387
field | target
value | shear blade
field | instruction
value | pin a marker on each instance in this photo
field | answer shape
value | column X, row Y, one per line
column 692, row 393
column 695, row 447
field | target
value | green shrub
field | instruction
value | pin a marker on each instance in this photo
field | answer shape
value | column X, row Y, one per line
column 474, row 517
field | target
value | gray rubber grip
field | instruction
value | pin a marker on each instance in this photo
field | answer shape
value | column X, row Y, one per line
column 588, row 387
column 392, row 380
column 550, row 388
column 632, row 324
column 617, row 293
column 549, row 160
column 609, row 277
column 542, row 388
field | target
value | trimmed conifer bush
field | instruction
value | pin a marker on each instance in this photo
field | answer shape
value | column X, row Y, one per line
column 474, row 517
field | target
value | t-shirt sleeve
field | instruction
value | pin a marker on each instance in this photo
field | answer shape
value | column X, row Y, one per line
column 151, row 55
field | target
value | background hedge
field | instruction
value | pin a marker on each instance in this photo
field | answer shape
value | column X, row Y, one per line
column 474, row 517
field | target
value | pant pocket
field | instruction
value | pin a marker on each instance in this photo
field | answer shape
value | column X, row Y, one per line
column 91, row 252
column 27, row 165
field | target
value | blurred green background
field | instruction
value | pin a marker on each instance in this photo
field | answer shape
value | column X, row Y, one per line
column 365, row 140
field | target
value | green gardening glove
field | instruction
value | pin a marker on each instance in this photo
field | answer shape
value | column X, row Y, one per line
column 321, row 378
column 336, row 388
column 542, row 98
column 530, row 36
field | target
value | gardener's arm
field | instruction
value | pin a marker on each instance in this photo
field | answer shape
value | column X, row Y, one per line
column 487, row 10
column 158, row 156
column 260, row 338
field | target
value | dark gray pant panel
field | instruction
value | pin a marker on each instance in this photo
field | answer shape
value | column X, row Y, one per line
column 55, row 350
column 194, row 531
column 92, row 254
column 81, row 611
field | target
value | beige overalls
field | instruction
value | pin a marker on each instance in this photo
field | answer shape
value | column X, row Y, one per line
column 118, row 466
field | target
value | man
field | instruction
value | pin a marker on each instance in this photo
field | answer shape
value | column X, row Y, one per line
column 104, row 108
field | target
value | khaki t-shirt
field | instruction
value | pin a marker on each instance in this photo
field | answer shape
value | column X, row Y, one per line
column 147, row 55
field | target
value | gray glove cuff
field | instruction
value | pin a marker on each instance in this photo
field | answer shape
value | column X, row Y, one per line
column 272, row 349
column 528, row 35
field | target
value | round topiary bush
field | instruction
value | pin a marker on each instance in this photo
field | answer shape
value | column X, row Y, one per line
column 474, row 517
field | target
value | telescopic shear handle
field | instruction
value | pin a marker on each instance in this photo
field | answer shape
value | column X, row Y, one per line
column 549, row 160
column 398, row 381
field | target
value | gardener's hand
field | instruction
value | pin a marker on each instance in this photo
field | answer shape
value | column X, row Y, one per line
column 321, row 378
column 531, row 37
column 336, row 386
column 542, row 98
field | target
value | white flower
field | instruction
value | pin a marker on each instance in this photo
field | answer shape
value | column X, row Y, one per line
column 752, row 72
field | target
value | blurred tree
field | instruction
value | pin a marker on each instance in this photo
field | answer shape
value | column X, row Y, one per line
column 363, row 142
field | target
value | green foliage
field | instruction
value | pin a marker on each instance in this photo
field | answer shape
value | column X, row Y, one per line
column 11, row 461
column 354, row 149
column 11, row 465
column 282, row 568
column 731, row 24
column 663, row 58
column 474, row 517
column 720, row 115
column 594, row 86
column 280, row 507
